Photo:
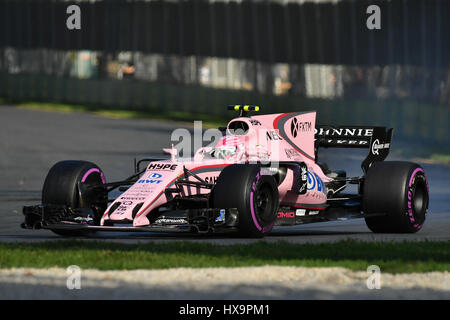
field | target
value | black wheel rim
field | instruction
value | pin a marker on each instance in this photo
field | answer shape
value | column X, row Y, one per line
column 93, row 198
column 419, row 201
column 263, row 204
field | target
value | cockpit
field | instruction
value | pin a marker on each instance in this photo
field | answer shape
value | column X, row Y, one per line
column 222, row 152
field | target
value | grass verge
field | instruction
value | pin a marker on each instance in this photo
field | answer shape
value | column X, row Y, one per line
column 441, row 158
column 404, row 257
column 208, row 120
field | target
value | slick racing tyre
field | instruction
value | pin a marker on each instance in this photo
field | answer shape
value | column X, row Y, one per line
column 254, row 195
column 66, row 184
column 399, row 189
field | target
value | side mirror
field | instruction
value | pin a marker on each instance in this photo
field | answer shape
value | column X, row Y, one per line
column 171, row 151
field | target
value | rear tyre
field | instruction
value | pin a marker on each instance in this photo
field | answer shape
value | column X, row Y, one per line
column 399, row 189
column 254, row 195
column 66, row 184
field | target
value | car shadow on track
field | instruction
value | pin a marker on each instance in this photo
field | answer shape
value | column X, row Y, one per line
column 231, row 238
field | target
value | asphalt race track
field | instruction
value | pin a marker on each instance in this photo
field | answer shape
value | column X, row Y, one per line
column 32, row 141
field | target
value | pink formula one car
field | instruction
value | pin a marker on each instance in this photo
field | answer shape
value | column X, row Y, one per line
column 263, row 172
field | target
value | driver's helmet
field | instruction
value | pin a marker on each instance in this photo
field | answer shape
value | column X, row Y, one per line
column 225, row 152
column 228, row 146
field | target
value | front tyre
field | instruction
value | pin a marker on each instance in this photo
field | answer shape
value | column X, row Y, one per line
column 400, row 190
column 67, row 183
column 254, row 195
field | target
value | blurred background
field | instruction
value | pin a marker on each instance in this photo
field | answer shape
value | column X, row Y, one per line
column 199, row 56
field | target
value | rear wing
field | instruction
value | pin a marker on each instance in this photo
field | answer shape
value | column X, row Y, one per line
column 376, row 139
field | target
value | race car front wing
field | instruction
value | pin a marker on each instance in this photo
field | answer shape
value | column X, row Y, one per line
column 203, row 220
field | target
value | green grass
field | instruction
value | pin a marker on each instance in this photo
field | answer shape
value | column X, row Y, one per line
column 441, row 158
column 430, row 154
column 405, row 257
column 208, row 120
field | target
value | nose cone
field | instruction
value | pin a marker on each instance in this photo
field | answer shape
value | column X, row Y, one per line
column 146, row 194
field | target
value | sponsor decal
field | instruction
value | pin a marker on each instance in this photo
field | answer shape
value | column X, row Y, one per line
column 137, row 192
column 211, row 179
column 377, row 146
column 162, row 166
column 303, row 179
column 132, row 198
column 152, row 178
column 294, row 127
column 297, row 126
column 410, row 211
column 255, row 122
column 273, row 135
column 150, row 181
column 315, row 183
column 311, row 181
column 417, row 174
column 120, row 210
column 280, row 123
column 171, row 221
column 221, row 217
column 302, row 189
column 347, row 142
column 300, row 212
column 314, row 212
column 282, row 214
column 344, row 132
column 154, row 175
column 291, row 153
column 304, row 173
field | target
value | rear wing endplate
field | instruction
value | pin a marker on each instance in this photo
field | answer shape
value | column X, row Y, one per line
column 376, row 139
